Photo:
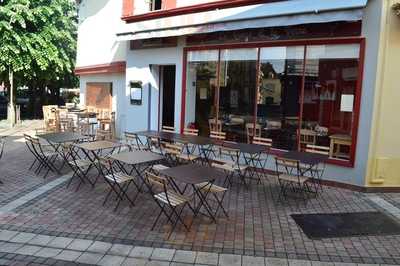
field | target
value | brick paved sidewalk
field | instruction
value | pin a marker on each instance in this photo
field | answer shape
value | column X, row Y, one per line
column 257, row 226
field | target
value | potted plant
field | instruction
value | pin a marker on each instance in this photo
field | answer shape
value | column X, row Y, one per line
column 396, row 8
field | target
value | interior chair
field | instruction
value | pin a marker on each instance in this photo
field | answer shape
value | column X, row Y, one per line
column 215, row 125
column 251, row 132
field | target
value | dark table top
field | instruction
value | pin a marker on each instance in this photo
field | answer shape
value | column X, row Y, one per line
column 193, row 174
column 99, row 145
column 137, row 157
column 62, row 137
column 305, row 157
column 200, row 140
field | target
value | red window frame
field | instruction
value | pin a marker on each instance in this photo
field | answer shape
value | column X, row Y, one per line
column 305, row 43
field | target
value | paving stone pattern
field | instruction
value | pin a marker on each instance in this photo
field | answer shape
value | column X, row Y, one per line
column 258, row 225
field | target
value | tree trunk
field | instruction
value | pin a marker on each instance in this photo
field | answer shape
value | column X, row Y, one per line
column 11, row 103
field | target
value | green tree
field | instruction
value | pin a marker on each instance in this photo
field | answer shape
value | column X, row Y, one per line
column 38, row 43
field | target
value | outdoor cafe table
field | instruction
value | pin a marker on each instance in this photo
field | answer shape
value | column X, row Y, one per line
column 309, row 160
column 92, row 150
column 136, row 159
column 56, row 140
column 192, row 175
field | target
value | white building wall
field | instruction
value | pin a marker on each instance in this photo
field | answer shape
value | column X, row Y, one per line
column 99, row 21
column 142, row 65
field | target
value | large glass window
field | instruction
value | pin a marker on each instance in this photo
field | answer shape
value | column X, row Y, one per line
column 278, row 105
column 237, row 92
column 201, row 89
column 295, row 95
column 329, row 92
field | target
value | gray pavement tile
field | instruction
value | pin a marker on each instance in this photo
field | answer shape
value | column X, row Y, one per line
column 134, row 262
column 80, row 244
column 22, row 238
column 184, row 256
column 90, row 258
column 111, row 260
column 6, row 235
column 253, row 261
column 230, row 260
column 207, row 258
column 60, row 242
column 28, row 250
column 180, row 264
column 120, row 250
column 345, row 264
column 163, row 254
column 48, row 252
column 158, row 263
column 68, row 255
column 276, row 262
column 41, row 240
column 141, row 252
column 99, row 247
column 10, row 247
column 299, row 262
column 322, row 263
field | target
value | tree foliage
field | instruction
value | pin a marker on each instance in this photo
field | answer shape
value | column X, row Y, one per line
column 396, row 8
column 38, row 40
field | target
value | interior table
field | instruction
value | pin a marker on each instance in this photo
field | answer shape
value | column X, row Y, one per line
column 136, row 159
column 192, row 175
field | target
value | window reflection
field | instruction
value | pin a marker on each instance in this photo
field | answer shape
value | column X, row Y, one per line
column 237, row 92
column 330, row 84
column 278, row 103
column 201, row 89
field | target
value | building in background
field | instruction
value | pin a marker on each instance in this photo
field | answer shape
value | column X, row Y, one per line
column 301, row 71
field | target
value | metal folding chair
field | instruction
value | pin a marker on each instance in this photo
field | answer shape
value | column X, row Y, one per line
column 177, row 153
column 134, row 142
column 316, row 171
column 80, row 167
column 290, row 177
column 228, row 159
column 45, row 156
column 166, row 198
column 118, row 181
column 208, row 188
column 168, row 129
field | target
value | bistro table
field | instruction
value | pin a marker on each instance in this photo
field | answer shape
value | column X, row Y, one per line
column 192, row 175
column 93, row 150
column 58, row 139
column 310, row 162
column 136, row 159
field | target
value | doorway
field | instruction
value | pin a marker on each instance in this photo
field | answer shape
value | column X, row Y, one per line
column 168, row 95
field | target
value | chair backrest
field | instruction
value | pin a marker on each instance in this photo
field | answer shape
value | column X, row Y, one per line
column 133, row 139
column 287, row 165
column 251, row 132
column 103, row 134
column 308, row 136
column 218, row 135
column 191, row 132
column 172, row 149
column 317, row 149
column 155, row 181
column 2, row 144
column 262, row 141
column 168, row 129
column 215, row 125
column 66, row 125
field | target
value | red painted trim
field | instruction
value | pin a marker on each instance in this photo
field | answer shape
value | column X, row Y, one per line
column 193, row 9
column 127, row 8
column 304, row 42
column 303, row 81
column 159, row 96
column 183, row 100
column 115, row 67
column 357, row 103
